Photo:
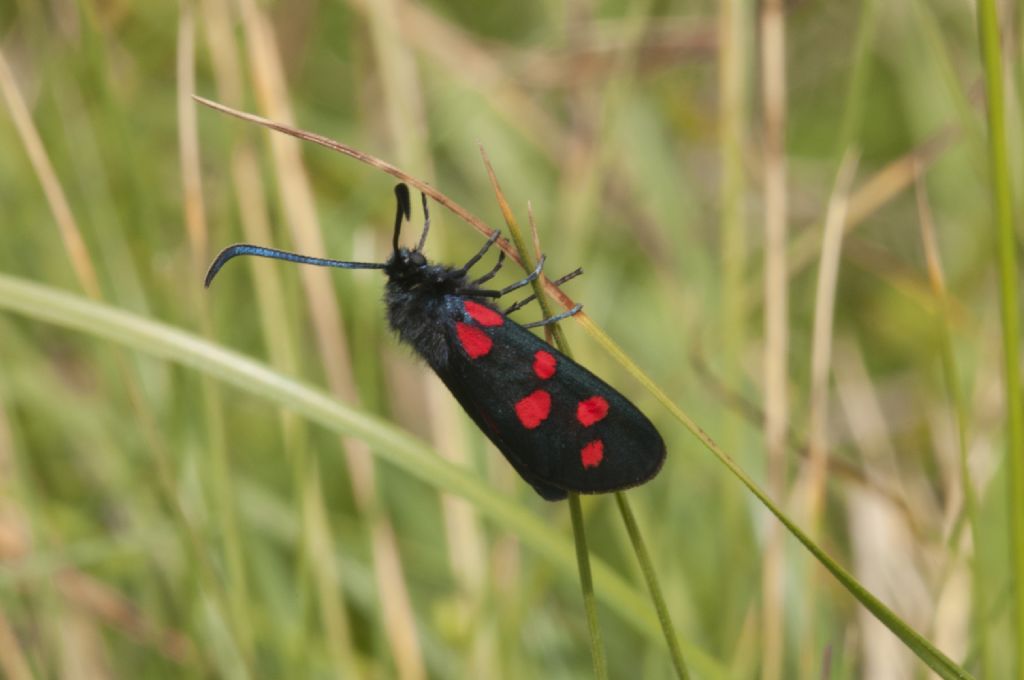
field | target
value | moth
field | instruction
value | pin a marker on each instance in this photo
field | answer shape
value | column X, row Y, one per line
column 561, row 427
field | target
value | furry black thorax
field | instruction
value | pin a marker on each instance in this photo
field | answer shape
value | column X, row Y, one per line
column 420, row 296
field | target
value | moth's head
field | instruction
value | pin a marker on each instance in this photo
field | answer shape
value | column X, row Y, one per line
column 405, row 263
column 410, row 258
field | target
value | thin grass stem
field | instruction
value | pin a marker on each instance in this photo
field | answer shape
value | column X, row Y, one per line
column 1006, row 251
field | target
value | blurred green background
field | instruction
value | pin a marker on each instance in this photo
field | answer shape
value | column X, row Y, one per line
column 162, row 521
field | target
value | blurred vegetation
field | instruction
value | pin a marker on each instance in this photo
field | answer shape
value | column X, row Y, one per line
column 171, row 510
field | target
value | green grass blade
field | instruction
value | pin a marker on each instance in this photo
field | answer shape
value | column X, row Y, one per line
column 1006, row 239
column 636, row 539
column 579, row 532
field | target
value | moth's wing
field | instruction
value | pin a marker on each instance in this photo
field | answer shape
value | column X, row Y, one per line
column 611, row 446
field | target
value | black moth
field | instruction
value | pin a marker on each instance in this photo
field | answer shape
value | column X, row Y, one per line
column 561, row 427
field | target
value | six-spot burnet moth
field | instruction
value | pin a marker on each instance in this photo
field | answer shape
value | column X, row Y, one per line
column 560, row 426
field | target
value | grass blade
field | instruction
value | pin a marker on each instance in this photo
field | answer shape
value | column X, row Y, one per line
column 1006, row 240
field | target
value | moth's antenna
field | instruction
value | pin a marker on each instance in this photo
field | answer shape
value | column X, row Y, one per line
column 275, row 254
column 402, row 209
column 426, row 222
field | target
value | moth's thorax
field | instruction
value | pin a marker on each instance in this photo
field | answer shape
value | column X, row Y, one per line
column 421, row 300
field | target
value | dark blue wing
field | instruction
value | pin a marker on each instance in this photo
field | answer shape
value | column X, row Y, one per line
column 560, row 426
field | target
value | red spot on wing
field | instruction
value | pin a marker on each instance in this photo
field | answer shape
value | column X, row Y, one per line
column 474, row 341
column 591, row 411
column 543, row 364
column 533, row 409
column 592, row 454
column 485, row 316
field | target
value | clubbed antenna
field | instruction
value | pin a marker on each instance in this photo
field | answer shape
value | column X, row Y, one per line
column 403, row 209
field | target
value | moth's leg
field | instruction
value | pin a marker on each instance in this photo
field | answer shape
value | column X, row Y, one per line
column 533, row 296
column 490, row 275
column 552, row 319
column 476, row 258
column 469, row 292
column 532, row 276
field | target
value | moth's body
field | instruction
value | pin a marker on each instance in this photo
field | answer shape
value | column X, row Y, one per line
column 560, row 426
